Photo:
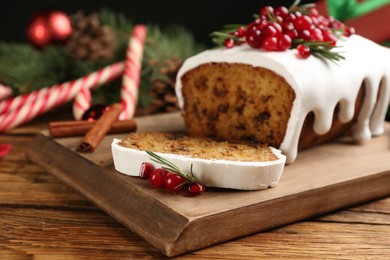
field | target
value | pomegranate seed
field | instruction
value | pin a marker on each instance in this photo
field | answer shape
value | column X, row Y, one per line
column 270, row 43
column 174, row 182
column 229, row 43
column 284, row 42
column 303, row 51
column 254, row 38
column 157, row 177
column 267, row 10
column 303, row 22
column 145, row 170
column 281, row 11
column 195, row 189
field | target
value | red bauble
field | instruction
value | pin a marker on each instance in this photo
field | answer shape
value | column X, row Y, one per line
column 48, row 27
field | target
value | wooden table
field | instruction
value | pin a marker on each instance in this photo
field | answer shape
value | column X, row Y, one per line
column 41, row 217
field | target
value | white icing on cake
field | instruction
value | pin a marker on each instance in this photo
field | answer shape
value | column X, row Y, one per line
column 319, row 86
column 211, row 173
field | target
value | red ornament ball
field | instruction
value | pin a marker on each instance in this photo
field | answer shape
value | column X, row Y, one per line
column 49, row 27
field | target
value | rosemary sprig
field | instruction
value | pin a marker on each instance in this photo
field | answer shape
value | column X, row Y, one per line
column 227, row 32
column 320, row 49
column 169, row 166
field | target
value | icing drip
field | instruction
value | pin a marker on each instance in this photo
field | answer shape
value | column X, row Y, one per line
column 320, row 85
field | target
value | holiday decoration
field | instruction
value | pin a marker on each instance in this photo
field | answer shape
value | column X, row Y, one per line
column 91, row 40
column 131, row 77
column 26, row 107
column 4, row 149
column 5, row 92
column 48, row 27
column 81, row 103
column 28, row 70
column 298, row 27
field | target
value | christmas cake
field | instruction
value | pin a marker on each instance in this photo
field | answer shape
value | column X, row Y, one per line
column 289, row 102
column 235, row 165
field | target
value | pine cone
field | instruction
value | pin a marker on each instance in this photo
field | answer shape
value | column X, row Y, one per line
column 90, row 40
column 163, row 91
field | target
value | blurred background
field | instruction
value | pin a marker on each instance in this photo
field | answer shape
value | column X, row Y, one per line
column 200, row 17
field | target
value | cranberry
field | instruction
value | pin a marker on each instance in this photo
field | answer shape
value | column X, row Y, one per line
column 316, row 35
column 270, row 43
column 195, row 189
column 288, row 26
column 267, row 10
column 349, row 31
column 229, row 43
column 240, row 32
column 313, row 11
column 145, row 170
column 293, row 34
column 174, row 182
column 329, row 37
column 304, row 34
column 281, row 11
column 303, row 51
column 254, row 38
column 290, row 17
column 270, row 30
column 157, row 177
column 284, row 42
column 303, row 22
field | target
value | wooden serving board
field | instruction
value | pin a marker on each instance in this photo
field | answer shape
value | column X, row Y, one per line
column 323, row 179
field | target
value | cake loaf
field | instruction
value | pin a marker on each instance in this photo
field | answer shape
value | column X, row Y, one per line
column 289, row 103
column 235, row 165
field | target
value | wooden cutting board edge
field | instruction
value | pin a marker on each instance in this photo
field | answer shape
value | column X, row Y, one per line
column 176, row 234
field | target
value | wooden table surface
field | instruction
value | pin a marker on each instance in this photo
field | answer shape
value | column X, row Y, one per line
column 42, row 218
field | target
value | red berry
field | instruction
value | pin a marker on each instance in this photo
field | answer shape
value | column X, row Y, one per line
column 284, row 42
column 313, row 11
column 254, row 38
column 240, row 32
column 145, row 170
column 270, row 30
column 290, row 17
column 267, row 10
column 349, row 31
column 174, row 182
column 281, row 11
column 329, row 37
column 195, row 189
column 157, row 177
column 293, row 34
column 288, row 26
column 229, row 43
column 270, row 43
column 303, row 51
column 304, row 34
column 303, row 22
column 316, row 35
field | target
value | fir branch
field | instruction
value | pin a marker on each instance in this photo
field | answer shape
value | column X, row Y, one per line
column 172, row 167
column 219, row 37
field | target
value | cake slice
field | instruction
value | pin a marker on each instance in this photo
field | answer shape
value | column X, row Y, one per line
column 234, row 165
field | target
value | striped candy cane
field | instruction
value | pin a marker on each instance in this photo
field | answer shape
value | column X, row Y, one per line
column 5, row 92
column 81, row 103
column 19, row 110
column 131, row 76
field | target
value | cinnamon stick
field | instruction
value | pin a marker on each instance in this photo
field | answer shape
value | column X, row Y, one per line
column 93, row 137
column 80, row 128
